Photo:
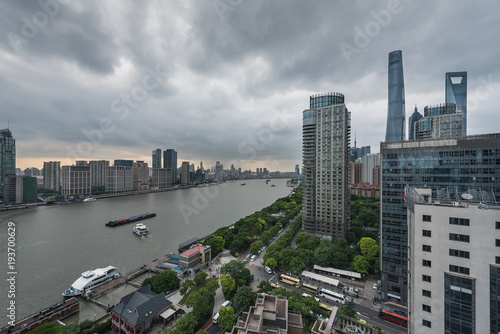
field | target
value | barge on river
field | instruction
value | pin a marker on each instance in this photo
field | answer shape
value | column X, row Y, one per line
column 130, row 219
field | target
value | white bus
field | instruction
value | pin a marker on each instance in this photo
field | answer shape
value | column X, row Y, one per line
column 338, row 297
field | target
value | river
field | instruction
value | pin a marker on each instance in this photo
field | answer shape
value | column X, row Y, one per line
column 55, row 244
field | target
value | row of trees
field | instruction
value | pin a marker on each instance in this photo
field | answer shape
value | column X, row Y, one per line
column 244, row 233
column 163, row 282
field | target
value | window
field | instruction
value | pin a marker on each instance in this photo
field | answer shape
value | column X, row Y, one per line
column 426, row 323
column 463, row 238
column 426, row 263
column 497, row 259
column 426, row 308
column 426, row 278
column 497, row 242
column 497, row 225
column 426, row 248
column 426, row 218
column 459, row 253
column 426, row 293
column 426, row 233
column 459, row 221
column 460, row 270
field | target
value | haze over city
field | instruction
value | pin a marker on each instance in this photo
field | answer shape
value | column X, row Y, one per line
column 227, row 81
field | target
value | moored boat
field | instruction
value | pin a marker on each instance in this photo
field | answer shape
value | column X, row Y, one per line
column 91, row 279
column 130, row 219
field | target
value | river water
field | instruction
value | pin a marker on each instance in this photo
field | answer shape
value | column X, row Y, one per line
column 55, row 244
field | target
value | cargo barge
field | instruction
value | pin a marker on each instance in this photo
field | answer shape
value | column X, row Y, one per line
column 130, row 219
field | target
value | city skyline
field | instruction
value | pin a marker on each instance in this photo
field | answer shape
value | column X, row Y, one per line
column 109, row 81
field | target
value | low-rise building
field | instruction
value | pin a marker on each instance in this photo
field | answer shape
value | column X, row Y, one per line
column 194, row 256
column 270, row 315
column 139, row 311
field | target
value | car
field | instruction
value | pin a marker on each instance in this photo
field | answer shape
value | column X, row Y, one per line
column 245, row 261
column 375, row 286
column 268, row 270
column 253, row 258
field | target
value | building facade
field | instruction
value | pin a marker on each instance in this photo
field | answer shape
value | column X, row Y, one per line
column 452, row 164
column 75, row 181
column 162, row 178
column 97, row 172
column 326, row 140
column 119, row 179
column 185, row 172
column 456, row 92
column 440, row 122
column 454, row 262
column 369, row 162
column 170, row 162
column 7, row 155
column 52, row 175
column 395, row 130
column 411, row 123
column 140, row 171
column 219, row 171
column 156, row 158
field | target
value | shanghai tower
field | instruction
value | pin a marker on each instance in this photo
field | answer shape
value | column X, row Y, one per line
column 395, row 130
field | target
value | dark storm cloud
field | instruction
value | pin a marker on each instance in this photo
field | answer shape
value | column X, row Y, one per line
column 211, row 78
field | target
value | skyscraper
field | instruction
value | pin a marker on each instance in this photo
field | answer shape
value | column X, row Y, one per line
column 411, row 123
column 395, row 130
column 156, row 158
column 52, row 175
column 185, row 172
column 7, row 156
column 326, row 139
column 456, row 92
column 170, row 162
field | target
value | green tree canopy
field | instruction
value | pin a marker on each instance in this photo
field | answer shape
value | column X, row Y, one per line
column 217, row 243
column 188, row 284
column 228, row 285
column 200, row 278
column 265, row 286
column 360, row 264
column 244, row 298
column 226, row 316
column 164, row 282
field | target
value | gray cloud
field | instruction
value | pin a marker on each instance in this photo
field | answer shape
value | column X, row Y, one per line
column 87, row 73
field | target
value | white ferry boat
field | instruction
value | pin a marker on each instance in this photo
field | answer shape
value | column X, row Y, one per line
column 91, row 279
column 140, row 229
column 89, row 199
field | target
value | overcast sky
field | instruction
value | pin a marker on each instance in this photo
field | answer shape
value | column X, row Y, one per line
column 228, row 79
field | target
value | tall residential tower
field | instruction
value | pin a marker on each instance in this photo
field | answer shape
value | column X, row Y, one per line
column 7, row 156
column 395, row 130
column 326, row 140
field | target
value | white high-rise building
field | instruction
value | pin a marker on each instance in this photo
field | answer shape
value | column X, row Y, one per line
column 454, row 263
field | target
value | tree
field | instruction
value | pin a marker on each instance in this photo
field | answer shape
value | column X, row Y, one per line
column 202, row 332
column 200, row 278
column 237, row 271
column 228, row 285
column 164, row 282
column 349, row 309
column 202, row 303
column 297, row 265
column 188, row 284
column 48, row 328
column 212, row 285
column 271, row 263
column 244, row 298
column 256, row 246
column 265, row 286
column 360, row 264
column 226, row 316
column 185, row 325
column 217, row 243
column 369, row 249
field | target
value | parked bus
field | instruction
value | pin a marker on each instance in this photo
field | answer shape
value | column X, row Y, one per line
column 290, row 280
column 337, row 297
column 325, row 307
column 275, row 286
column 393, row 317
column 310, row 288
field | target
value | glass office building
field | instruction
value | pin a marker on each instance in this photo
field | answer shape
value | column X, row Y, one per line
column 416, row 116
column 395, row 130
column 326, row 141
column 456, row 92
column 448, row 165
column 170, row 162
